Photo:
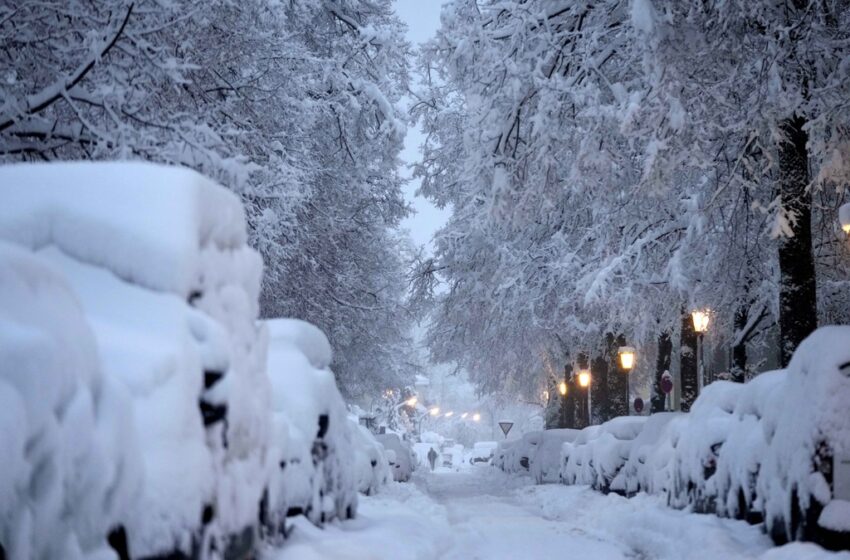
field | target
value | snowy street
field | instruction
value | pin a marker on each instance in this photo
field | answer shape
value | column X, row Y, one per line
column 483, row 513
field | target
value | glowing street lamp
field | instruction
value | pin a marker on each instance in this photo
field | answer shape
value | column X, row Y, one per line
column 434, row 411
column 562, row 388
column 448, row 414
column 584, row 383
column 700, row 318
column 411, row 401
column 844, row 217
column 476, row 417
column 464, row 415
column 627, row 358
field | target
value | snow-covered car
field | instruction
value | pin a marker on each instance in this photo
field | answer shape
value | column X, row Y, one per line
column 370, row 460
column 451, row 455
column 514, row 456
column 502, row 454
column 698, row 445
column 804, row 478
column 158, row 259
column 70, row 466
column 399, row 455
column 313, row 474
column 482, row 452
column 598, row 453
column 545, row 464
column 636, row 474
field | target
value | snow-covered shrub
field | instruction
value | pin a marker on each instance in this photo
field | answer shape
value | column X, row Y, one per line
column 399, row 456
column 545, row 464
column 803, row 482
column 158, row 258
column 313, row 471
column 70, row 461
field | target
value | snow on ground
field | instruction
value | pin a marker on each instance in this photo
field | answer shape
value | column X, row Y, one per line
column 482, row 513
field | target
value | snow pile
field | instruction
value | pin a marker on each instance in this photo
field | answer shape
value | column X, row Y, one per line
column 315, row 441
column 546, row 463
column 69, row 464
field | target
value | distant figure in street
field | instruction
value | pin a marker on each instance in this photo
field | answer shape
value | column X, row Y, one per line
column 432, row 457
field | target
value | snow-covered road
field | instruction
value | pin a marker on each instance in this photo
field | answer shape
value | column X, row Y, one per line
column 484, row 514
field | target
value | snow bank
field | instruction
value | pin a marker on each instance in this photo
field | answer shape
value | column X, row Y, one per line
column 70, row 460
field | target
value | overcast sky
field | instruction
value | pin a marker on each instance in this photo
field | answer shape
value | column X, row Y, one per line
column 422, row 18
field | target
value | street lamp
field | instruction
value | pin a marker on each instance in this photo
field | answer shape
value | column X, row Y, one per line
column 562, row 388
column 411, row 401
column 844, row 217
column 464, row 415
column 476, row 417
column 434, row 411
column 627, row 358
column 700, row 318
column 448, row 414
column 584, row 382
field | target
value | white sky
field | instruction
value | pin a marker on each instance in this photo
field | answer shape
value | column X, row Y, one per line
column 422, row 18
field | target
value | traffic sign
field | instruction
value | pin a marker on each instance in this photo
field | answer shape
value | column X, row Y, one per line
column 638, row 405
column 506, row 427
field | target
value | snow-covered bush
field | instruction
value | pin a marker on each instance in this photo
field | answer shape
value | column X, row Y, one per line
column 312, row 469
column 70, row 466
column 158, row 259
column 546, row 462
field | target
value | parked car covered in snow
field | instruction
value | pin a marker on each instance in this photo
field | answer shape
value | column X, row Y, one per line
column 598, row 456
column 70, row 464
column 636, row 475
column 157, row 257
column 546, row 462
column 313, row 475
column 804, row 479
column 399, row 455
column 370, row 460
column 482, row 452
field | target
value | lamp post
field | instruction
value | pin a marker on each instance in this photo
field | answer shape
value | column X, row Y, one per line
column 627, row 358
column 562, row 389
column 584, row 382
column 700, row 318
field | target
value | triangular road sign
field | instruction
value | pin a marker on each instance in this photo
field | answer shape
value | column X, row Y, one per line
column 506, row 427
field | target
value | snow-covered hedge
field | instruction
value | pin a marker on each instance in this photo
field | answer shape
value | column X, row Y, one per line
column 775, row 449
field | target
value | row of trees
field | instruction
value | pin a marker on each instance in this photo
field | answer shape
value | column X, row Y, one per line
column 293, row 105
column 613, row 164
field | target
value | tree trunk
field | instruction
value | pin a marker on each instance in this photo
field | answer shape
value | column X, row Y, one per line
column 618, row 379
column 738, row 370
column 688, row 362
column 599, row 389
column 797, row 286
column 662, row 364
